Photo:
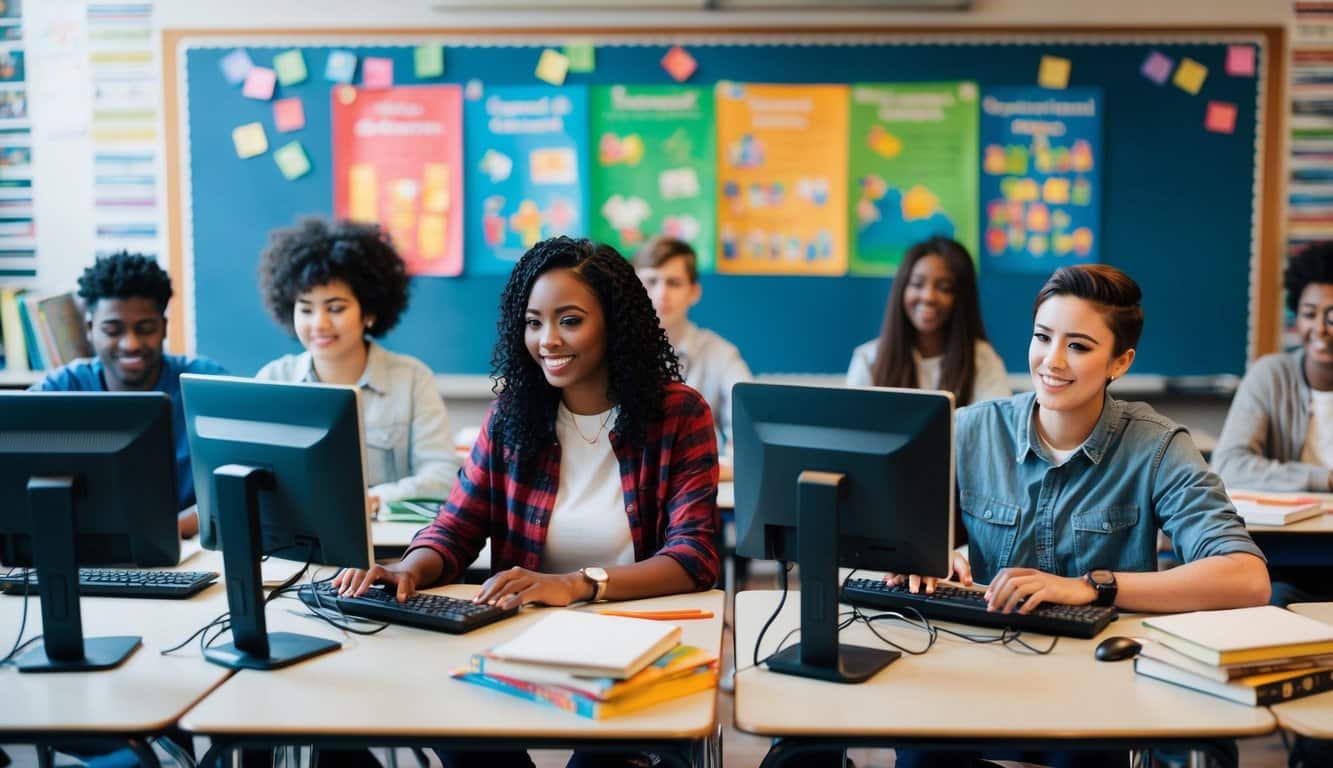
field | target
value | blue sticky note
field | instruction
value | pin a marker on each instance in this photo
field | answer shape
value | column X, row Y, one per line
column 236, row 66
column 340, row 67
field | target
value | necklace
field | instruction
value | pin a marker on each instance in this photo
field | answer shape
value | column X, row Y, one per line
column 574, row 419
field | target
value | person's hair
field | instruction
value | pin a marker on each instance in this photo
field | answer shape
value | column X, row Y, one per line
column 894, row 365
column 661, row 249
column 639, row 359
column 124, row 275
column 1313, row 264
column 316, row 252
column 1115, row 294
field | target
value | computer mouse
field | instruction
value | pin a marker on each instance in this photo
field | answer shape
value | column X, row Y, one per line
column 1117, row 649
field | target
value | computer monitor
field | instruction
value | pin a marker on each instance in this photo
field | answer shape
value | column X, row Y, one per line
column 86, row 478
column 851, row 477
column 279, row 470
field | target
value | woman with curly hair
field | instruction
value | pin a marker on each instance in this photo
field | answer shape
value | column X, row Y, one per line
column 336, row 286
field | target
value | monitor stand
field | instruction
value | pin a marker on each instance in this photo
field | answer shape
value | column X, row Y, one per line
column 237, row 491
column 63, row 647
column 818, row 655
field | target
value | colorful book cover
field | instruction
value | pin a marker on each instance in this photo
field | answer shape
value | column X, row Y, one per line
column 64, row 320
column 782, row 179
column 702, row 679
column 1257, row 691
column 913, row 159
column 654, row 167
column 677, row 662
column 16, row 347
column 527, row 171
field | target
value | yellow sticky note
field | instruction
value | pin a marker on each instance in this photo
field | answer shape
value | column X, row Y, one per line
column 292, row 160
column 552, row 67
column 1190, row 75
column 1053, row 72
column 250, row 140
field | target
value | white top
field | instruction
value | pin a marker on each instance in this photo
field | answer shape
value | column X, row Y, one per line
column 1318, row 448
column 989, row 382
column 1058, row 456
column 711, row 366
column 588, row 525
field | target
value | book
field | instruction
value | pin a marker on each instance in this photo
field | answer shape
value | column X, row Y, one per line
column 590, row 644
column 1241, row 634
column 1256, row 691
column 677, row 662
column 63, row 321
column 16, row 348
column 411, row 511
column 1168, row 655
column 701, row 679
column 1275, row 509
column 36, row 355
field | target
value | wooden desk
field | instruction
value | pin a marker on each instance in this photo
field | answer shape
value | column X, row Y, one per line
column 394, row 688
column 964, row 695
column 1311, row 716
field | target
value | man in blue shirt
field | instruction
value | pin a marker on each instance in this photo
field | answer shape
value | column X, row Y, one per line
column 125, row 296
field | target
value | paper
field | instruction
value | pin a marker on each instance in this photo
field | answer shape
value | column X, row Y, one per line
column 1157, row 67
column 1053, row 72
column 1240, row 60
column 259, row 84
column 292, row 160
column 290, row 67
column 235, row 66
column 679, row 64
column 1220, row 117
column 250, row 140
column 428, row 61
column 582, row 55
column 552, row 67
column 376, row 72
column 340, row 67
column 1190, row 76
column 288, row 115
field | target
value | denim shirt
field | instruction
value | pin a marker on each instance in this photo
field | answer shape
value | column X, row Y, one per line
column 1137, row 472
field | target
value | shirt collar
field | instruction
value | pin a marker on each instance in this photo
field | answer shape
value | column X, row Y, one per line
column 375, row 377
column 1094, row 447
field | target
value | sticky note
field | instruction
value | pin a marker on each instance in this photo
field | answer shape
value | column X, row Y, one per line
column 376, row 72
column 1157, row 67
column 235, row 66
column 429, row 60
column 292, row 160
column 340, row 67
column 1240, row 60
column 679, row 64
column 582, row 55
column 1190, row 76
column 1053, row 72
column 288, row 115
column 552, row 67
column 250, row 140
column 1220, row 117
column 290, row 67
column 259, row 84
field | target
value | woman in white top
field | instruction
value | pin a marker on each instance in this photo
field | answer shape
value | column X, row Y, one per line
column 933, row 337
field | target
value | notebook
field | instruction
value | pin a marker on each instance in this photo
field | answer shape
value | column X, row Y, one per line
column 1275, row 508
column 1257, row 691
column 1241, row 634
column 591, row 644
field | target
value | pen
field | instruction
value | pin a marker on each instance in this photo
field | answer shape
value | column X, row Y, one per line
column 690, row 613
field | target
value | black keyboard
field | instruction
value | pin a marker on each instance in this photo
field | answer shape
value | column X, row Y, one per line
column 436, row 612
column 115, row 582
column 968, row 606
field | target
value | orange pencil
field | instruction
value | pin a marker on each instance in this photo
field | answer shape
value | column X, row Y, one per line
column 680, row 615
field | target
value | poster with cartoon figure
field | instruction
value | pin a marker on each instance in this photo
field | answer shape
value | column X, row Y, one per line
column 913, row 167
column 782, row 179
column 653, row 166
column 526, row 179
column 1040, row 178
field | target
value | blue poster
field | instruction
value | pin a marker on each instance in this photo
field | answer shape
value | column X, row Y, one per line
column 525, row 150
column 1040, row 178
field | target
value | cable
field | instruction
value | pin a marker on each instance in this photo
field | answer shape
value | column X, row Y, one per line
column 23, row 623
column 783, row 567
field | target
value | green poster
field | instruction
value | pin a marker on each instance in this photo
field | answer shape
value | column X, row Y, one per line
column 914, row 170
column 653, row 171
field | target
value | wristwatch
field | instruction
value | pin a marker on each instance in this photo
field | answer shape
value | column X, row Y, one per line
column 599, row 579
column 1103, row 581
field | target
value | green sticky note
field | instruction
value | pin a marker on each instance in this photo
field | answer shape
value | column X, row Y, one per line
column 582, row 55
column 429, row 61
column 290, row 66
column 292, row 160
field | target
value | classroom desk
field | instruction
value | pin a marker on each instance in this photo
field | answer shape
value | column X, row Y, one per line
column 962, row 695
column 1302, row 543
column 394, row 689
column 1311, row 716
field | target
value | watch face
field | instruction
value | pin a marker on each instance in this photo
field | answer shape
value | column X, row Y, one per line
column 1101, row 576
column 595, row 573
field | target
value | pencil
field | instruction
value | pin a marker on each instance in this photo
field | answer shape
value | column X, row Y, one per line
column 691, row 613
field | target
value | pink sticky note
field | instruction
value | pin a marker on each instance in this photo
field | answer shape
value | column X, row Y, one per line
column 679, row 64
column 259, row 83
column 376, row 72
column 1221, row 117
column 1240, row 60
column 1157, row 67
column 288, row 115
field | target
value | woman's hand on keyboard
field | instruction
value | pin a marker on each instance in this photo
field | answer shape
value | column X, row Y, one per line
column 516, row 586
column 958, row 566
column 352, row 582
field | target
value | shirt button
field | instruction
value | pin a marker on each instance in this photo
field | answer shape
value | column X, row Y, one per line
column 1106, row 526
column 987, row 515
column 629, row 507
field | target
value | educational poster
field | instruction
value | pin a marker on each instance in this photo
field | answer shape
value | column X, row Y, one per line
column 913, row 160
column 526, row 171
column 782, row 179
column 1041, row 178
column 654, row 168
column 397, row 160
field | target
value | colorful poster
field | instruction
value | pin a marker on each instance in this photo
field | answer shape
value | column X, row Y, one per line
column 1041, row 178
column 782, row 179
column 526, row 171
column 654, row 170
column 397, row 160
column 914, row 170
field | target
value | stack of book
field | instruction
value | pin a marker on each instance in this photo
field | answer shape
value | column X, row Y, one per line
column 1275, row 508
column 593, row 665
column 1256, row 656
column 41, row 333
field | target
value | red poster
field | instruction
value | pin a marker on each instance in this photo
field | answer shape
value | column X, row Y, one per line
column 398, row 162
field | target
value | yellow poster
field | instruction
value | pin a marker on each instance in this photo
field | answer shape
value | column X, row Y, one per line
column 782, row 186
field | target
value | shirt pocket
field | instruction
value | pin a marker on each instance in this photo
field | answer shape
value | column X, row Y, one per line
column 992, row 529
column 382, row 454
column 1103, row 537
